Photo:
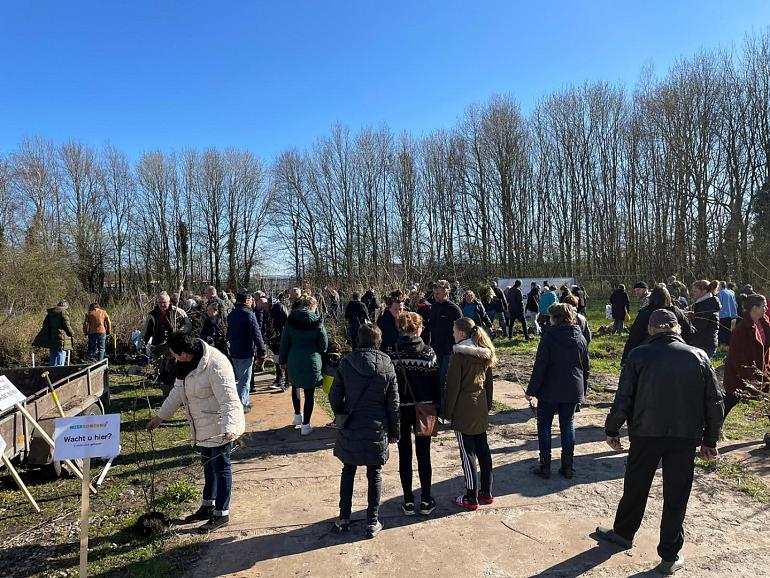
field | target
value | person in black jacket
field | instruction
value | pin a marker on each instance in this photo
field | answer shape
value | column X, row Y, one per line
column 533, row 306
column 559, row 381
column 516, row 309
column 356, row 315
column 370, row 300
column 704, row 314
column 659, row 298
column 416, row 362
column 443, row 314
column 214, row 330
column 498, row 307
column 387, row 321
column 275, row 315
column 670, row 398
column 365, row 388
column 621, row 306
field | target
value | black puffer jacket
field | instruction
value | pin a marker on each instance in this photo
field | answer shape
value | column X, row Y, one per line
column 533, row 300
column 515, row 300
column 561, row 367
column 355, row 312
column 421, row 366
column 365, row 387
column 668, row 389
column 638, row 332
column 705, row 319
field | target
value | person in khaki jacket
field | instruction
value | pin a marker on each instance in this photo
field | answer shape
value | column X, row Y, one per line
column 205, row 386
column 468, row 401
column 96, row 326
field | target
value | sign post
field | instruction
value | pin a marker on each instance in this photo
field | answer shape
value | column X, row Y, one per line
column 85, row 437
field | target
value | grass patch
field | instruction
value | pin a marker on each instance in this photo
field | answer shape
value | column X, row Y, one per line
column 50, row 544
column 499, row 407
column 745, row 482
column 322, row 400
column 746, row 421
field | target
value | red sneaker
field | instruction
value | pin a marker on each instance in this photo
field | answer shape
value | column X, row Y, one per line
column 485, row 500
column 463, row 502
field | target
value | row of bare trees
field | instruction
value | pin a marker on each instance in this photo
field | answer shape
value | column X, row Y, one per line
column 597, row 180
column 670, row 176
column 168, row 219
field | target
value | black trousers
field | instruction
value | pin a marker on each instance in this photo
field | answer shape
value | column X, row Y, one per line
column 474, row 454
column 731, row 400
column 678, row 456
column 725, row 330
column 422, row 449
column 374, row 477
column 517, row 316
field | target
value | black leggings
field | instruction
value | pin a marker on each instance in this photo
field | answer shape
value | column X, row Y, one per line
column 309, row 403
column 422, row 449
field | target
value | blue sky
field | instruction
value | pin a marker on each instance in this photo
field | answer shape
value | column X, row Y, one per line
column 266, row 76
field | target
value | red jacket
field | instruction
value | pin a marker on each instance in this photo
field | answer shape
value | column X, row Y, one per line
column 747, row 360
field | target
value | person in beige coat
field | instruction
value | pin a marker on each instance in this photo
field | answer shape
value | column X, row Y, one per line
column 205, row 386
column 468, row 401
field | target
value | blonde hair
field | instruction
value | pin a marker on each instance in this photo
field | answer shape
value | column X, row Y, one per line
column 478, row 335
column 409, row 323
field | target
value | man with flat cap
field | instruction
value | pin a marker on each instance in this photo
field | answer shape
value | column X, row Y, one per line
column 672, row 402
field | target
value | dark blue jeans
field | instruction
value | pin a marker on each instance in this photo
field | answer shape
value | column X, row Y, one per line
column 96, row 344
column 545, row 412
column 374, row 492
column 217, row 478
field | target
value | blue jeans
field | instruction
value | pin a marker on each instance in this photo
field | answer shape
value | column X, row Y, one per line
column 58, row 357
column 96, row 341
column 242, row 369
column 217, row 478
column 545, row 412
column 494, row 314
column 443, row 368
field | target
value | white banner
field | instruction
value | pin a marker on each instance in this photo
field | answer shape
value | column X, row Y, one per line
column 87, row 436
column 9, row 395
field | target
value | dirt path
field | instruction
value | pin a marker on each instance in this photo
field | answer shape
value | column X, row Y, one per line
column 286, row 491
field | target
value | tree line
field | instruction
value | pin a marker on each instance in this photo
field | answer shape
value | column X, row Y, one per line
column 668, row 176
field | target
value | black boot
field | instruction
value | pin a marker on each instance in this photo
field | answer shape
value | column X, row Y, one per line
column 203, row 513
column 566, row 468
column 543, row 467
column 214, row 523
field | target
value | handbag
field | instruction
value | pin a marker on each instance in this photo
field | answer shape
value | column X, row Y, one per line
column 426, row 418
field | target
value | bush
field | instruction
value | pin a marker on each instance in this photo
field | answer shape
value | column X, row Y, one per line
column 178, row 493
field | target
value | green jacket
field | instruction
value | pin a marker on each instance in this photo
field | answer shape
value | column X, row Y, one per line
column 303, row 340
column 469, row 388
column 56, row 332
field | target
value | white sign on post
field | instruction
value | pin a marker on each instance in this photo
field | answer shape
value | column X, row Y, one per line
column 87, row 436
column 2, row 445
column 9, row 395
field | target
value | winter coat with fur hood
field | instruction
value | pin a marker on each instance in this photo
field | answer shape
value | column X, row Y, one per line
column 210, row 400
column 469, row 388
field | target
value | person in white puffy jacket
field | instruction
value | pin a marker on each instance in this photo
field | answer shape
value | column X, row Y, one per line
column 205, row 386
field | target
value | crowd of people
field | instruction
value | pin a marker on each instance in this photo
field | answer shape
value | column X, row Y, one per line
column 419, row 357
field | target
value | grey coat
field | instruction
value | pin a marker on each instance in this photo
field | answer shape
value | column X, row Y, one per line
column 365, row 387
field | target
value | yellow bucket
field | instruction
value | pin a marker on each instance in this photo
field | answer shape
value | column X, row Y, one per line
column 327, row 384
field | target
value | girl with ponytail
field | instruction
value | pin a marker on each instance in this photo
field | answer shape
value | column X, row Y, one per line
column 468, row 401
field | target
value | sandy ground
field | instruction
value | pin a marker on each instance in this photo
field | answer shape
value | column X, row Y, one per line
column 286, row 492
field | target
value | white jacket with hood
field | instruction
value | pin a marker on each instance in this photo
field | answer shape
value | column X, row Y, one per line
column 210, row 399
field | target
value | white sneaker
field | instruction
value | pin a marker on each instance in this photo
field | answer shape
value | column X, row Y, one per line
column 306, row 429
column 297, row 419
